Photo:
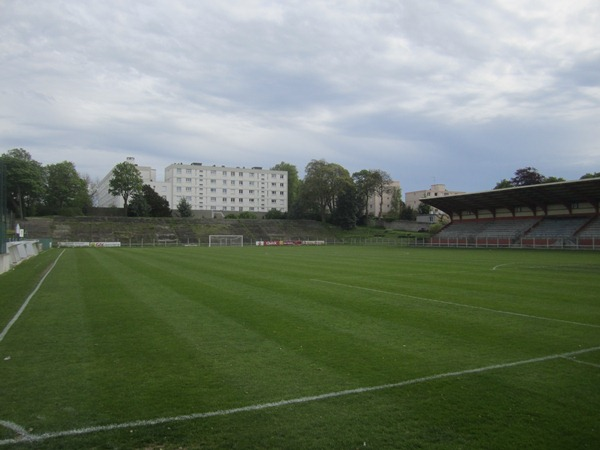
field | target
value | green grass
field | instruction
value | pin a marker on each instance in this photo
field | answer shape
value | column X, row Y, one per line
column 117, row 336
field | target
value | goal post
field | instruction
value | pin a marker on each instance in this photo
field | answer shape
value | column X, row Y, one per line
column 225, row 240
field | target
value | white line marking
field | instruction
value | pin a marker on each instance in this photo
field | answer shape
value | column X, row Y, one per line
column 501, row 265
column 16, row 428
column 582, row 362
column 445, row 302
column 26, row 302
column 26, row 437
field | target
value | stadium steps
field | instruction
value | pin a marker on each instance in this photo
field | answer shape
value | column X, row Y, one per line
column 169, row 230
column 557, row 227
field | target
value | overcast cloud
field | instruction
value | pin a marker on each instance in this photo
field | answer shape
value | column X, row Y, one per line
column 448, row 91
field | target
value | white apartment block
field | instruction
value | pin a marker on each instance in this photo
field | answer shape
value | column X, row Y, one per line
column 228, row 189
column 106, row 200
column 212, row 188
column 375, row 201
column 413, row 199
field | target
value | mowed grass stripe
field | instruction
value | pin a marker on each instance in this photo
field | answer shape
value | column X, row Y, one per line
column 144, row 333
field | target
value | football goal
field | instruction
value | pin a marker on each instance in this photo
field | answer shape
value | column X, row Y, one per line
column 225, row 240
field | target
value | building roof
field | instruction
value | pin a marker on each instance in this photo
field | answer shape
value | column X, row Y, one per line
column 536, row 196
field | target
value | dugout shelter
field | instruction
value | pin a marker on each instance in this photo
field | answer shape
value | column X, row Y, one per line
column 553, row 214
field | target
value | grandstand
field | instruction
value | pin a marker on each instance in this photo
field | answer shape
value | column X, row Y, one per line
column 553, row 215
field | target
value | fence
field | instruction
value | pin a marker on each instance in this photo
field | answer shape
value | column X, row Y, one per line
column 434, row 242
column 3, row 210
column 572, row 243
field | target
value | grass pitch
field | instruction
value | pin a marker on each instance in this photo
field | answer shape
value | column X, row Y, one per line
column 328, row 347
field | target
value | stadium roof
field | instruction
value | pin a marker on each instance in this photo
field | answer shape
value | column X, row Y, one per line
column 540, row 196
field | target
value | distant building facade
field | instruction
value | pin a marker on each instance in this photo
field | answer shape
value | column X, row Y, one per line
column 388, row 201
column 413, row 199
column 213, row 189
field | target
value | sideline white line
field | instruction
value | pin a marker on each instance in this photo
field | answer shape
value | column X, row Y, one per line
column 26, row 302
column 445, row 302
column 225, row 412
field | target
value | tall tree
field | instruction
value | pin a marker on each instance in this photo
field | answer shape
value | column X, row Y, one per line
column 365, row 188
column 346, row 208
column 396, row 203
column 24, row 180
column 184, row 208
column 322, row 185
column 526, row 177
column 138, row 206
column 293, row 181
column 65, row 188
column 126, row 180
column 382, row 186
column 159, row 206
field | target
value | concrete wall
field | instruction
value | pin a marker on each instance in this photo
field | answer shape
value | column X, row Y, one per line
column 18, row 252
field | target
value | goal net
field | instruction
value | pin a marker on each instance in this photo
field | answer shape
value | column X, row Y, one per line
column 225, row 240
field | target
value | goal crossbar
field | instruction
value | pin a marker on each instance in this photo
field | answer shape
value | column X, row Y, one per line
column 225, row 240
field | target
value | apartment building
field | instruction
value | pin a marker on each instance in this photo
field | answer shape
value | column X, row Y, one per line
column 211, row 188
column 375, row 201
column 413, row 199
column 105, row 199
column 228, row 189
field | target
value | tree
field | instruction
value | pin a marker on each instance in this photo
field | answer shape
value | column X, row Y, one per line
column 159, row 206
column 24, row 181
column 527, row 176
column 184, row 208
column 382, row 186
column 126, row 180
column 408, row 213
column 590, row 175
column 65, row 189
column 504, row 184
column 293, row 181
column 396, row 203
column 274, row 213
column 138, row 206
column 346, row 209
column 322, row 185
column 365, row 187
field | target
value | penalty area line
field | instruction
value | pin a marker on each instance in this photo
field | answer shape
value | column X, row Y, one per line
column 27, row 437
column 462, row 305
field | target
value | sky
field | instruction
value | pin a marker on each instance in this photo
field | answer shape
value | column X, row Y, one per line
column 448, row 92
